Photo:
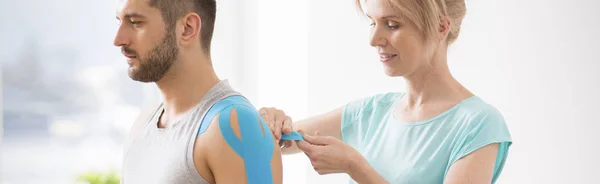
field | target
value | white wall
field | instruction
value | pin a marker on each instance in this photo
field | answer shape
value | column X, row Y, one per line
column 281, row 70
column 534, row 60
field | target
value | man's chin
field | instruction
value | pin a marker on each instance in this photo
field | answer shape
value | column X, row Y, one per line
column 135, row 75
column 138, row 79
column 132, row 71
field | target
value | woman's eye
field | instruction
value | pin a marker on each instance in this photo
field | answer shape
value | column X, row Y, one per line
column 392, row 25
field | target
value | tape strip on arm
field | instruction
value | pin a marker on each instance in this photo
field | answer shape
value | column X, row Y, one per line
column 242, row 136
column 219, row 106
column 249, row 138
column 256, row 144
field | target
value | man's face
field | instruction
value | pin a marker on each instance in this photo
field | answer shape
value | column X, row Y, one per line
column 150, row 46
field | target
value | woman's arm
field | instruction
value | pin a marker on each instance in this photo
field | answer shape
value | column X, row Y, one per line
column 363, row 173
column 477, row 167
column 329, row 155
column 328, row 124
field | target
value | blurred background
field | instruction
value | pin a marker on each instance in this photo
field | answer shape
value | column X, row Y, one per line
column 67, row 101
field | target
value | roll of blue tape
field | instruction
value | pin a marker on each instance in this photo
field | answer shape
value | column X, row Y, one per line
column 294, row 136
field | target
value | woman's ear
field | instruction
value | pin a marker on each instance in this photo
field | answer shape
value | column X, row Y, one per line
column 444, row 27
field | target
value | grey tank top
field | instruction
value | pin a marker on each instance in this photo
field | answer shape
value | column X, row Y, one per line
column 165, row 155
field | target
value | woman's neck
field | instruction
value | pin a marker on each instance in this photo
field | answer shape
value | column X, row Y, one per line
column 432, row 84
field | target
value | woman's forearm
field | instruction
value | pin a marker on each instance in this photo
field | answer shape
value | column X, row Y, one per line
column 363, row 173
column 328, row 124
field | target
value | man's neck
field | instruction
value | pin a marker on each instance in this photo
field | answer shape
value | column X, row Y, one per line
column 185, row 85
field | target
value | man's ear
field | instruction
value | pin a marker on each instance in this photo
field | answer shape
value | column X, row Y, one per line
column 444, row 27
column 191, row 28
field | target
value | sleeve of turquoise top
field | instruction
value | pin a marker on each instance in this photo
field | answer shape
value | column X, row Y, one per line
column 485, row 128
column 350, row 115
column 357, row 114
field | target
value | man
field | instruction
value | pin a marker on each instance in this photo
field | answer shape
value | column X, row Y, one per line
column 203, row 131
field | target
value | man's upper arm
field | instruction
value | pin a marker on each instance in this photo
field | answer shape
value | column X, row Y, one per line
column 477, row 167
column 243, row 149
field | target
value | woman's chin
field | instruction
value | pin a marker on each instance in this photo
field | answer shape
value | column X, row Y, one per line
column 393, row 72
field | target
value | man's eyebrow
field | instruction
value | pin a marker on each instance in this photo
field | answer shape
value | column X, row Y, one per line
column 132, row 15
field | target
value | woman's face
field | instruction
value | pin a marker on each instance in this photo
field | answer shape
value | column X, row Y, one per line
column 401, row 46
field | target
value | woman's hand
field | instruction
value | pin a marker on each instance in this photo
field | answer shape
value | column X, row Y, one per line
column 329, row 155
column 279, row 123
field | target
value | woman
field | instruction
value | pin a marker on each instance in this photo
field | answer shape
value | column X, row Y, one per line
column 435, row 132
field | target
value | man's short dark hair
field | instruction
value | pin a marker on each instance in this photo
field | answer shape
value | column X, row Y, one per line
column 172, row 10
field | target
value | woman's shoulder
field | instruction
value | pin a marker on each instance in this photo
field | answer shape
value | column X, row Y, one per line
column 377, row 103
column 479, row 113
column 479, row 124
column 389, row 97
column 476, row 106
column 378, row 99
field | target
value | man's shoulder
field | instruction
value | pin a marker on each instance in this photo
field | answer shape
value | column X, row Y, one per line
column 237, row 124
column 240, row 120
column 241, row 144
column 233, row 103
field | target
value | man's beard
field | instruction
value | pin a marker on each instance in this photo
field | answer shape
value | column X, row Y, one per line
column 158, row 61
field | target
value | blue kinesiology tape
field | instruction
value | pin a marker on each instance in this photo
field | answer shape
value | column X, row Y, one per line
column 255, row 148
column 219, row 106
column 294, row 136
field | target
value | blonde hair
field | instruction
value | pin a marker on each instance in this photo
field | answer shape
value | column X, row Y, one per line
column 427, row 14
